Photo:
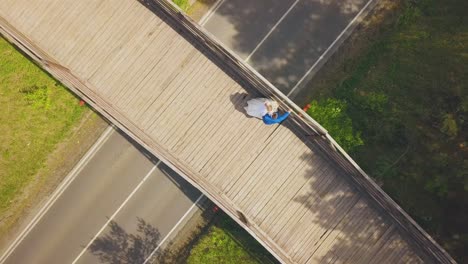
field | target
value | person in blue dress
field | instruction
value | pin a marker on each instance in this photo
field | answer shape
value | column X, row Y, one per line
column 275, row 118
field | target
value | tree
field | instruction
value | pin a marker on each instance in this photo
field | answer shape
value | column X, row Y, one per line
column 331, row 113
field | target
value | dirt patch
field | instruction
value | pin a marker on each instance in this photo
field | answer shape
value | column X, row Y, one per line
column 200, row 8
column 59, row 163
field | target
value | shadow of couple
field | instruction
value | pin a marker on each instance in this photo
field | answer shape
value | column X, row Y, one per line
column 239, row 100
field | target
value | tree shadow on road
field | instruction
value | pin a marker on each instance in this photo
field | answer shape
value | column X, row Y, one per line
column 295, row 45
column 118, row 246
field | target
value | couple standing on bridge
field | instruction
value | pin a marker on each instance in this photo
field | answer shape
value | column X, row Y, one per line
column 265, row 109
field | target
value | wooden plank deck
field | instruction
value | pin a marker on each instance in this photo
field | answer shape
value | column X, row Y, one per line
column 175, row 100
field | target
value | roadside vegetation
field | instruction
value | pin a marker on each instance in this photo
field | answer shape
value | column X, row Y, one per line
column 183, row 4
column 37, row 114
column 197, row 10
column 399, row 106
column 226, row 242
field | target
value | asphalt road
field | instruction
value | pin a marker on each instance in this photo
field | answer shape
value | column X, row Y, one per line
column 116, row 197
column 284, row 40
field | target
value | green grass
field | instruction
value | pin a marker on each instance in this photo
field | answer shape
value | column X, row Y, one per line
column 407, row 98
column 226, row 242
column 183, row 4
column 37, row 113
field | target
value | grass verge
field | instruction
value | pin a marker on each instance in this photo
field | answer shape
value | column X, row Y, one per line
column 401, row 87
column 226, row 242
column 183, row 4
column 43, row 131
column 197, row 10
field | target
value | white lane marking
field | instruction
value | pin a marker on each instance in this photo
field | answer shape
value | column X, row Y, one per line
column 210, row 13
column 272, row 29
column 329, row 48
column 174, row 228
column 116, row 212
column 64, row 185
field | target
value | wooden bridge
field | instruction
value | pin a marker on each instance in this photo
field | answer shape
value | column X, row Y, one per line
column 163, row 80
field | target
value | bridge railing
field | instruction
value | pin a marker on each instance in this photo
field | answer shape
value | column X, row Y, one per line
column 317, row 134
